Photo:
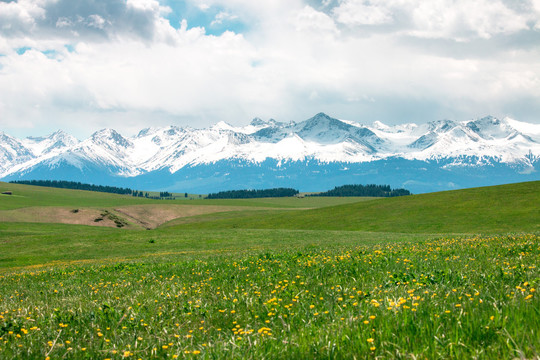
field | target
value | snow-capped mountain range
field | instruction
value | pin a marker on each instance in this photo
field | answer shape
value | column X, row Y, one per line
column 321, row 141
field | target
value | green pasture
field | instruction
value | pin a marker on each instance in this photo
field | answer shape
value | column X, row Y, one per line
column 441, row 298
column 448, row 275
column 33, row 196
column 26, row 244
column 496, row 209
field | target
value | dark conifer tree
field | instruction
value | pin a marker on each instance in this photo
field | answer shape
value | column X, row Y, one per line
column 251, row 194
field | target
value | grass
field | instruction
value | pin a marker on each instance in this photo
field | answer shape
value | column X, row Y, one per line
column 26, row 244
column 34, row 196
column 388, row 278
column 53, row 205
column 495, row 209
column 472, row 297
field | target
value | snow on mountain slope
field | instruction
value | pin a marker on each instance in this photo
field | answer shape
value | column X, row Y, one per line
column 12, row 153
column 153, row 147
column 45, row 148
column 105, row 148
column 397, row 138
column 54, row 143
column 483, row 138
column 321, row 137
column 532, row 130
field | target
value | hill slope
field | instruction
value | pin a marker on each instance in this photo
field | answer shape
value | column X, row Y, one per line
column 496, row 209
column 31, row 196
column 35, row 204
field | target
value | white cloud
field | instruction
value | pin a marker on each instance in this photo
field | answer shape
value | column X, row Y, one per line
column 88, row 20
column 295, row 60
column 63, row 22
column 145, row 5
column 463, row 19
column 360, row 12
column 451, row 19
column 309, row 19
column 221, row 17
column 96, row 21
column 20, row 17
column 535, row 8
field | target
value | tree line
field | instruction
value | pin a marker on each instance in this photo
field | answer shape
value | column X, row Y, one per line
column 364, row 190
column 76, row 185
column 63, row 184
column 140, row 194
column 371, row 190
column 251, row 194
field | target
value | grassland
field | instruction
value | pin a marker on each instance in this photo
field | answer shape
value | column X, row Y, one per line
column 435, row 276
column 34, row 196
column 495, row 209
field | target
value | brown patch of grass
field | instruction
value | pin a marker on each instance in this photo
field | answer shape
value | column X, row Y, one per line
column 62, row 215
column 151, row 216
column 147, row 216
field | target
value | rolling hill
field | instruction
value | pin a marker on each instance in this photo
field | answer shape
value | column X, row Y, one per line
column 496, row 209
column 52, row 205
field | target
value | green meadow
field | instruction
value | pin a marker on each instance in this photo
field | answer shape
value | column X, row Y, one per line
column 88, row 275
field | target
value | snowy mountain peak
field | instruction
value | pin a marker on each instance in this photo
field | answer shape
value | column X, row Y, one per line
column 12, row 152
column 321, row 123
column 490, row 127
column 146, row 132
column 321, row 137
column 380, row 126
column 442, row 125
column 58, row 133
column 109, row 136
column 105, row 133
column 155, row 131
column 222, row 125
column 4, row 136
column 321, row 115
column 487, row 122
column 258, row 122
column 61, row 137
column 321, row 118
column 54, row 143
column 489, row 119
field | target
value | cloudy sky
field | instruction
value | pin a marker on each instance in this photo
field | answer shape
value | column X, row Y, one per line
column 82, row 65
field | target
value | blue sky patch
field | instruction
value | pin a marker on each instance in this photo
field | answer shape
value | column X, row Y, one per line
column 23, row 49
column 51, row 54
column 209, row 18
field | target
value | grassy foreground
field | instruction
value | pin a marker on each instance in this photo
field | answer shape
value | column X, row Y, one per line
column 471, row 297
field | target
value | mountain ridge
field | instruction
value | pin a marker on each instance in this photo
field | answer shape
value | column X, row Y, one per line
column 321, row 139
